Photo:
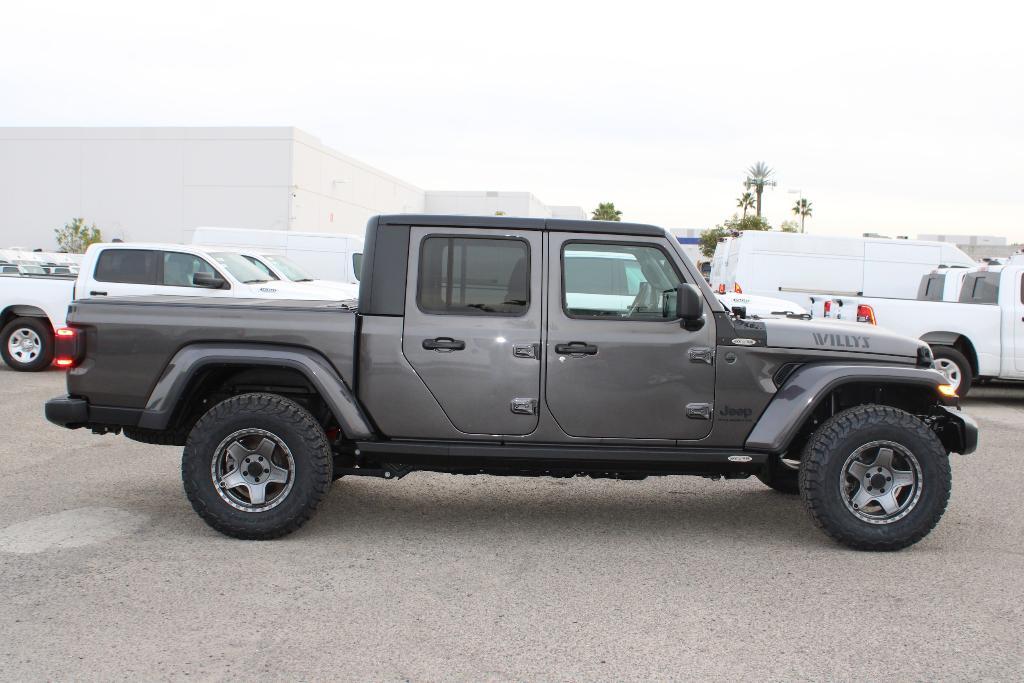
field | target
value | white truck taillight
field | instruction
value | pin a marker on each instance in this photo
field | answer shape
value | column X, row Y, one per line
column 828, row 308
column 736, row 288
column 866, row 314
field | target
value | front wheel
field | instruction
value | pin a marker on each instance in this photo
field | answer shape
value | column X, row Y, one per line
column 256, row 466
column 955, row 367
column 27, row 344
column 875, row 478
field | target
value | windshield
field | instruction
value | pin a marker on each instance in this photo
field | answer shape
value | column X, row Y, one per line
column 240, row 268
column 287, row 267
column 262, row 266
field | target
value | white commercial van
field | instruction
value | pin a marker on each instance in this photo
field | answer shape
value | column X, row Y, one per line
column 327, row 256
column 794, row 266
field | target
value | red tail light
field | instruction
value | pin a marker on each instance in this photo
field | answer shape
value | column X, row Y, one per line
column 866, row 314
column 736, row 288
column 67, row 347
column 828, row 308
column 721, row 288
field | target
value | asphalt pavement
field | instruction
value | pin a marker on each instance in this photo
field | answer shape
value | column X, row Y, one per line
column 107, row 573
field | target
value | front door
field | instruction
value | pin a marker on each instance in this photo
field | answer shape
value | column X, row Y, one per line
column 618, row 364
column 473, row 325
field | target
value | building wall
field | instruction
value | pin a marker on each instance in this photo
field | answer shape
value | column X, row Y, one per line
column 159, row 184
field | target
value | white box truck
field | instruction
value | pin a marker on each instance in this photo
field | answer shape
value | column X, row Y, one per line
column 795, row 266
column 327, row 256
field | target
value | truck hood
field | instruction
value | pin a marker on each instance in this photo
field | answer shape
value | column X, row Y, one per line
column 838, row 335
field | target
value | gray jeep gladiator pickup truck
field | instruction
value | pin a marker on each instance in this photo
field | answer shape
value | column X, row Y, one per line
column 516, row 346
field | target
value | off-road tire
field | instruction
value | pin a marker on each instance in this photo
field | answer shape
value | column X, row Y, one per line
column 823, row 461
column 296, row 427
column 41, row 326
column 779, row 477
column 950, row 354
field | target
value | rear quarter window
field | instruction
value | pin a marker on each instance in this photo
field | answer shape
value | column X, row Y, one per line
column 980, row 288
column 128, row 266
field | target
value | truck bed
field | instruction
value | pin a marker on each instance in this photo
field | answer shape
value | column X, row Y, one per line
column 145, row 332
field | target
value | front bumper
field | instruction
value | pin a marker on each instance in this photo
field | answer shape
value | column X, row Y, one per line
column 67, row 412
column 959, row 432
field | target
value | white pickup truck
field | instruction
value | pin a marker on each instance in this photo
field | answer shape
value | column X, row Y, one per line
column 32, row 309
column 979, row 336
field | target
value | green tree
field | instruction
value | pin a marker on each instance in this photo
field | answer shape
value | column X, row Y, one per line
column 606, row 211
column 802, row 208
column 75, row 237
column 709, row 239
column 789, row 226
column 758, row 177
column 745, row 202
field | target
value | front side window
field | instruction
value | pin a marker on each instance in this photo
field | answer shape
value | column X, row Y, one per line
column 127, row 266
column 180, row 268
column 615, row 280
column 474, row 276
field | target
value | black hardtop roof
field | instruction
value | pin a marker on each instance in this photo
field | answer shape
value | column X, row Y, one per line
column 518, row 223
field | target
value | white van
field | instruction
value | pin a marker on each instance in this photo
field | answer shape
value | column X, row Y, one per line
column 326, row 256
column 794, row 266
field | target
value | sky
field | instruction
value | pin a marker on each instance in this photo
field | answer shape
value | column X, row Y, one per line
column 900, row 118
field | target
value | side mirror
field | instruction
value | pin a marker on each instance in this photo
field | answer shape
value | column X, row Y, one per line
column 689, row 306
column 209, row 281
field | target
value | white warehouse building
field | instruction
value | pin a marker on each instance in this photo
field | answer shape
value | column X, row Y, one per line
column 160, row 184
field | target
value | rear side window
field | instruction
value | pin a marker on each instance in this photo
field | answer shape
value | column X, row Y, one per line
column 179, row 269
column 474, row 276
column 980, row 288
column 931, row 288
column 129, row 266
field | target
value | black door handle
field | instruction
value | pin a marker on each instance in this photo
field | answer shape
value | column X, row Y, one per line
column 576, row 348
column 95, row 293
column 444, row 344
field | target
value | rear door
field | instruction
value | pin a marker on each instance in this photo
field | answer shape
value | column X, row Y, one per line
column 473, row 325
column 617, row 367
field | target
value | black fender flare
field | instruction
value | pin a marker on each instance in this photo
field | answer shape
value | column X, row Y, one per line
column 189, row 360
column 810, row 384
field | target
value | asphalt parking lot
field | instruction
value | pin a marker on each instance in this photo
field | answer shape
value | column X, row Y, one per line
column 108, row 573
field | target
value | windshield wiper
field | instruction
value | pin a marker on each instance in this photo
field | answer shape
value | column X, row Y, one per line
column 254, row 282
column 303, row 279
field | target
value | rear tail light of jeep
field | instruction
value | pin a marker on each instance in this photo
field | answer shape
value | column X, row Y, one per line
column 68, row 347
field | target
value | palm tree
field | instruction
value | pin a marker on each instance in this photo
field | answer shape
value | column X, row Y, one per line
column 758, row 177
column 606, row 211
column 803, row 209
column 745, row 202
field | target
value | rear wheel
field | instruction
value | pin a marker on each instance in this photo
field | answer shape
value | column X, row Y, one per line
column 27, row 344
column 256, row 466
column 956, row 368
column 875, row 478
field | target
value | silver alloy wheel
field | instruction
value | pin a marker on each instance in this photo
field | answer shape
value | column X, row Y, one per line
column 253, row 470
column 24, row 345
column 950, row 370
column 881, row 482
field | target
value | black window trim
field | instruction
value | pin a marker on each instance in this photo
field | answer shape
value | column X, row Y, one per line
column 481, row 314
column 657, row 245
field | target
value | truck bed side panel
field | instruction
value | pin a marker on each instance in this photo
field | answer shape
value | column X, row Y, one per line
column 138, row 336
